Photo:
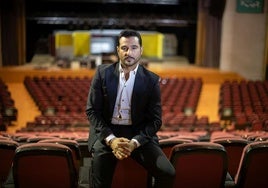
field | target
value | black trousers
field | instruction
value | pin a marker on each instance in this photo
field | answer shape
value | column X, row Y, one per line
column 150, row 156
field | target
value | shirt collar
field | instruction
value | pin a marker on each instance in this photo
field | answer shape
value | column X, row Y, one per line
column 134, row 71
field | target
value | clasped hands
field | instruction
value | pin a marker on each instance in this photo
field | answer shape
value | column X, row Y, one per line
column 122, row 147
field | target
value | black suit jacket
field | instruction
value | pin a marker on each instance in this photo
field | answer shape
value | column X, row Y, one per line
column 145, row 104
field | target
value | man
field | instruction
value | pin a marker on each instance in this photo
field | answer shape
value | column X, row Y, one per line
column 124, row 110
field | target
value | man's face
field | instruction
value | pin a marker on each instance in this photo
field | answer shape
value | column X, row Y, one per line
column 129, row 51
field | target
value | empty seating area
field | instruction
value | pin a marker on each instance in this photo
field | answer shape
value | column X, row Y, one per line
column 60, row 122
column 227, row 149
column 245, row 103
column 59, row 95
column 62, row 103
column 184, row 136
column 180, row 95
column 8, row 111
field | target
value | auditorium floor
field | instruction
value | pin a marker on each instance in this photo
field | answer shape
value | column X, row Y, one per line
column 172, row 67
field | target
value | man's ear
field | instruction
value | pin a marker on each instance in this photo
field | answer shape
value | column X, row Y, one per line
column 117, row 49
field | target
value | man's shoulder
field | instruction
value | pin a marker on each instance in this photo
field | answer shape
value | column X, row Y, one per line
column 149, row 73
column 106, row 68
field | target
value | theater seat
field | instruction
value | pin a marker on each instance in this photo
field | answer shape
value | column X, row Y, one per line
column 168, row 143
column 253, row 168
column 129, row 174
column 72, row 144
column 199, row 164
column 234, row 147
column 44, row 165
column 7, row 152
column 33, row 139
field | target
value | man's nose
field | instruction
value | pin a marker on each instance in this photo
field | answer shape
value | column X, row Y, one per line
column 128, row 52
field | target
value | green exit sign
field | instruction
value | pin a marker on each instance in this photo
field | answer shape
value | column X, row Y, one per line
column 249, row 6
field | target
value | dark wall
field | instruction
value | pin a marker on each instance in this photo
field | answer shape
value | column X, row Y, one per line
column 9, row 29
column 167, row 16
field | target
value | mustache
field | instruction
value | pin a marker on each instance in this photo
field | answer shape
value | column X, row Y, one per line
column 128, row 57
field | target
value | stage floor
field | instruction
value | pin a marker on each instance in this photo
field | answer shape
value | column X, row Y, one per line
column 168, row 67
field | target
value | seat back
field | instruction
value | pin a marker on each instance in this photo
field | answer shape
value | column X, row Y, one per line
column 83, row 145
column 234, row 148
column 199, row 164
column 72, row 144
column 7, row 153
column 253, row 168
column 33, row 139
column 44, row 165
column 129, row 174
column 168, row 143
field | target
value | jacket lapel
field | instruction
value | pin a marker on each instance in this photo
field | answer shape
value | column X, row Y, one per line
column 112, row 85
column 137, row 89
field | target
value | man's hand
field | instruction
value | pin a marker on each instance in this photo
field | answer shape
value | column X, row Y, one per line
column 122, row 147
column 132, row 145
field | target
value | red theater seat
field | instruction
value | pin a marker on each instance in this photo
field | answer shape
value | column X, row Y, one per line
column 234, row 147
column 168, row 143
column 72, row 144
column 7, row 152
column 130, row 174
column 199, row 164
column 253, row 168
column 44, row 165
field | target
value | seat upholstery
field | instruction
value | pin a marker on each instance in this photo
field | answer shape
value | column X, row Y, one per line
column 130, row 174
column 199, row 164
column 234, row 148
column 253, row 168
column 169, row 143
column 44, row 165
column 72, row 144
column 7, row 152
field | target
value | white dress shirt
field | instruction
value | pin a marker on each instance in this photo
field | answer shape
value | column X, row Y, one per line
column 122, row 108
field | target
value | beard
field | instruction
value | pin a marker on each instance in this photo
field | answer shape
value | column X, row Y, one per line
column 130, row 61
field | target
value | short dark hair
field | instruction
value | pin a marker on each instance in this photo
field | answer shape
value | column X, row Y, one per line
column 129, row 33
